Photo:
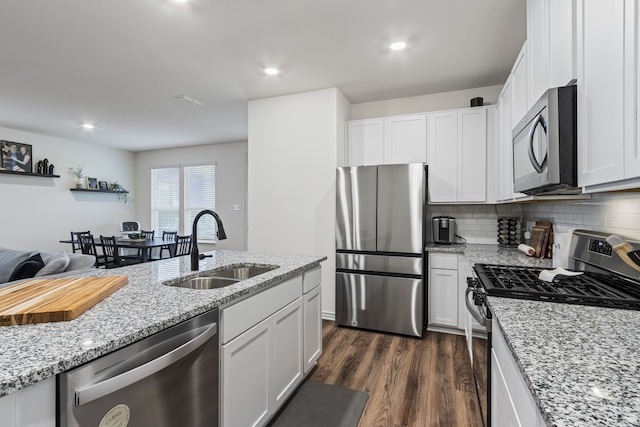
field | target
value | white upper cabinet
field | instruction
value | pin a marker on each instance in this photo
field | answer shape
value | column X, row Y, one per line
column 550, row 45
column 519, row 87
column 397, row 139
column 504, row 162
column 607, row 79
column 365, row 140
column 457, row 150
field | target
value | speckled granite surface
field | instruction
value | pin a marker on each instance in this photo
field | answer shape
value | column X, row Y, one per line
column 144, row 306
column 490, row 254
column 581, row 363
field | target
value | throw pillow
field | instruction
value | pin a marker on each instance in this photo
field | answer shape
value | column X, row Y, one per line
column 27, row 268
column 9, row 259
column 53, row 263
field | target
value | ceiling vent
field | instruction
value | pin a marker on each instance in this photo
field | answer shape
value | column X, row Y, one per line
column 187, row 100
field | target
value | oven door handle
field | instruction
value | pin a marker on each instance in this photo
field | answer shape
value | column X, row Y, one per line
column 101, row 389
column 482, row 320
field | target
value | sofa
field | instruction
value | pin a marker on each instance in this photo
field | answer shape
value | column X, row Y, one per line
column 18, row 264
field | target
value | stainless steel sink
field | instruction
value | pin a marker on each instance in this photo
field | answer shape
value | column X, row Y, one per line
column 205, row 283
column 223, row 278
column 242, row 273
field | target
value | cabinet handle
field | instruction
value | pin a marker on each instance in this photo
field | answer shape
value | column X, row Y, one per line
column 101, row 389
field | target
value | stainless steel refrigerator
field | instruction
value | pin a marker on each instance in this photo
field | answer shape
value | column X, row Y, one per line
column 380, row 238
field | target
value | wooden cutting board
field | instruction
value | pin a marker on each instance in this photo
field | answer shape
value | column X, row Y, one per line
column 54, row 300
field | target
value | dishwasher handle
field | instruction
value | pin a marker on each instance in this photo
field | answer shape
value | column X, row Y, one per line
column 101, row 389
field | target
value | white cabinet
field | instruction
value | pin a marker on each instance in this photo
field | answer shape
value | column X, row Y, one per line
column 519, row 87
column 365, row 139
column 457, row 143
column 443, row 290
column 269, row 341
column 32, row 406
column 387, row 140
column 551, row 45
column 287, row 352
column 511, row 401
column 608, row 74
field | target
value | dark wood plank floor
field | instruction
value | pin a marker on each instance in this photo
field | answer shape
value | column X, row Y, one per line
column 411, row 381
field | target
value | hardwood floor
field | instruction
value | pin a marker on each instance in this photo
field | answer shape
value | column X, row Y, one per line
column 411, row 381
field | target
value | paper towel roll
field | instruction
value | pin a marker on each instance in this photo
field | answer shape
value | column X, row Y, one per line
column 526, row 249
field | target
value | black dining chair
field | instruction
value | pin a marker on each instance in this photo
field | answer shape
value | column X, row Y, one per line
column 182, row 246
column 75, row 240
column 112, row 255
column 88, row 247
column 149, row 235
column 170, row 236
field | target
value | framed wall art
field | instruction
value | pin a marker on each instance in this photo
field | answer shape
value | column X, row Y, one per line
column 16, row 157
column 92, row 183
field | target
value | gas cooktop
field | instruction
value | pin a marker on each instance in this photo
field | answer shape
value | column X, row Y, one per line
column 589, row 288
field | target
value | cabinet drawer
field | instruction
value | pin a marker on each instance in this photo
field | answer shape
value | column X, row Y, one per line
column 243, row 315
column 311, row 279
column 445, row 261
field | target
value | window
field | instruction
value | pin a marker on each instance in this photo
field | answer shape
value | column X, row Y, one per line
column 178, row 194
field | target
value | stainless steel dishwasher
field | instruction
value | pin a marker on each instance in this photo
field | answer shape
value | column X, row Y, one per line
column 166, row 380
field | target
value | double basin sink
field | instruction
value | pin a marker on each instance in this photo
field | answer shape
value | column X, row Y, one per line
column 222, row 278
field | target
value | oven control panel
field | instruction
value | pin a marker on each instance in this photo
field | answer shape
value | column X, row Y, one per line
column 600, row 247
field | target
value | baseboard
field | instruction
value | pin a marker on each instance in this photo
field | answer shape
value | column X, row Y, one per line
column 327, row 315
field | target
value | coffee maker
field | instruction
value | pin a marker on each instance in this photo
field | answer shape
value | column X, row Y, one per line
column 444, row 229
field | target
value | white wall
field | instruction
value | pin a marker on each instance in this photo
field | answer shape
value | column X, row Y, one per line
column 37, row 212
column 424, row 103
column 293, row 144
column 231, row 185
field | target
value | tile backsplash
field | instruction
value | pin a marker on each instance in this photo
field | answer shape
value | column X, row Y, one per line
column 609, row 212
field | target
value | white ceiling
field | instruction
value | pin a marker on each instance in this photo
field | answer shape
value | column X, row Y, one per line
column 118, row 63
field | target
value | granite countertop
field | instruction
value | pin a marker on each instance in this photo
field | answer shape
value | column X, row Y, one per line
column 581, row 363
column 144, row 306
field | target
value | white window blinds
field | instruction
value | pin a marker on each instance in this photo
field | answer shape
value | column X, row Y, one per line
column 165, row 199
column 199, row 194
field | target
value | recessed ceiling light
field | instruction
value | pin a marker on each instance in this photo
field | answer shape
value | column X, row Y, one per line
column 181, row 1
column 398, row 46
column 271, row 71
column 88, row 126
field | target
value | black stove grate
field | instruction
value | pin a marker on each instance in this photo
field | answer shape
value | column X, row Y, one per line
column 595, row 289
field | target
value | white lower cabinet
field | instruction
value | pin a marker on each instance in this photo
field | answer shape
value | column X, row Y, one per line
column 511, row 402
column 268, row 343
column 32, row 406
column 443, row 290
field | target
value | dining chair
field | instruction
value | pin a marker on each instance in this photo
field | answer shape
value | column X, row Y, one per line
column 147, row 235
column 171, row 236
column 88, row 247
column 182, row 246
column 111, row 254
column 75, row 240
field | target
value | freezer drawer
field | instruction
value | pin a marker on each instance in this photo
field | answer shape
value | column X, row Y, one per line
column 382, row 303
column 380, row 263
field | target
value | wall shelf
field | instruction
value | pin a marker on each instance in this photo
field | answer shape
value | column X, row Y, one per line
column 41, row 175
column 98, row 191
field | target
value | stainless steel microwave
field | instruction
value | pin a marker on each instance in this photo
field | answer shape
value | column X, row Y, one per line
column 545, row 145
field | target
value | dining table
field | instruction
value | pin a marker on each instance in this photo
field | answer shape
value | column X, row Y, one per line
column 145, row 244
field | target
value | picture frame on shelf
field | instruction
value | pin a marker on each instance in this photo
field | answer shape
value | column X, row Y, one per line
column 92, row 183
column 103, row 185
column 16, row 157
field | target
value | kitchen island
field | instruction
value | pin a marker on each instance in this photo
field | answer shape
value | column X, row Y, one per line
column 32, row 353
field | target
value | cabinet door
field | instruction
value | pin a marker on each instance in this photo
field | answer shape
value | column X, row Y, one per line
column 312, row 327
column 562, row 45
column 503, row 411
column 472, row 154
column 405, row 139
column 365, row 142
column 33, row 406
column 442, row 142
column 287, row 352
column 504, row 180
column 246, row 377
column 443, row 297
column 519, row 85
column 538, row 49
column 632, row 90
column 600, row 39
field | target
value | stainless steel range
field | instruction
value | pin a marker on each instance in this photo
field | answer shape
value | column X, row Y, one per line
column 610, row 277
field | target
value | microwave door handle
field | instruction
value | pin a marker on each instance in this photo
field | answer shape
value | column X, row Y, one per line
column 532, row 157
